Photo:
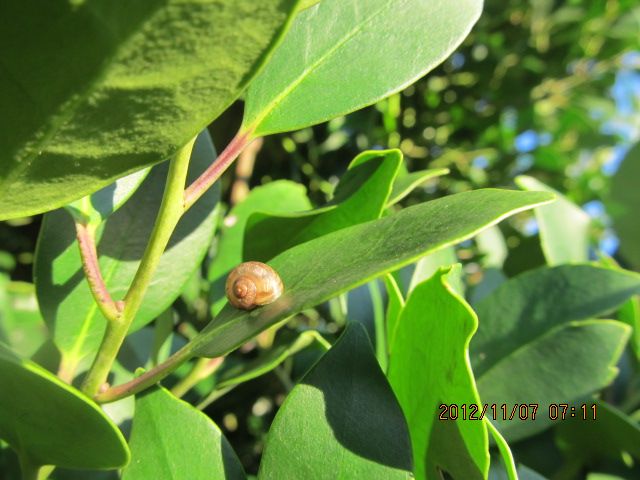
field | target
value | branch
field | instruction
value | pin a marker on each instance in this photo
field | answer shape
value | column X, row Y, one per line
column 171, row 209
column 147, row 379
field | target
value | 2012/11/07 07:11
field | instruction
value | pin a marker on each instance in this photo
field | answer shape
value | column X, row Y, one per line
column 523, row 411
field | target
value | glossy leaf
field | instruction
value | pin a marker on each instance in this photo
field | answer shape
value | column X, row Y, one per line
column 99, row 90
column 564, row 227
column 429, row 264
column 562, row 365
column 623, row 205
column 275, row 197
column 341, row 421
column 342, row 260
column 360, row 196
column 63, row 293
column 51, row 423
column 406, row 183
column 341, row 56
column 95, row 208
column 171, row 439
column 533, row 303
column 425, row 378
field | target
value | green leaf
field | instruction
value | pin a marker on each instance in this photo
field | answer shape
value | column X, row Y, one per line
column 341, row 56
column 564, row 227
column 232, row 374
column 245, row 371
column 97, row 207
column 408, row 182
column 623, row 205
column 171, row 439
column 505, row 452
column 360, row 196
column 562, row 365
column 21, row 325
column 63, row 293
column 340, row 421
column 611, row 434
column 50, row 423
column 533, row 303
column 275, row 197
column 425, row 378
column 342, row 260
column 99, row 90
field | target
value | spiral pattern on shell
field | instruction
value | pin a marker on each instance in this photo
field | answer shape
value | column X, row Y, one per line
column 253, row 284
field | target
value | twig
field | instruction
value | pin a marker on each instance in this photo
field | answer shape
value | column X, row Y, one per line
column 217, row 168
column 171, row 209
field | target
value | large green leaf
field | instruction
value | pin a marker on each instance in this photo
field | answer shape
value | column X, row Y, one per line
column 533, row 303
column 171, row 439
column 360, row 196
column 275, row 197
column 96, row 90
column 531, row 348
column 564, row 227
column 50, row 423
column 563, row 365
column 322, row 268
column 340, row 421
column 63, row 293
column 429, row 366
column 623, row 205
column 341, row 56
column 609, row 435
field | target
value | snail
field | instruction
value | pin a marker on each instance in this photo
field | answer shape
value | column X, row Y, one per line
column 253, row 284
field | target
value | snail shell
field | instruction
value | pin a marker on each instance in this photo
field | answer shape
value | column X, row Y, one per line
column 252, row 284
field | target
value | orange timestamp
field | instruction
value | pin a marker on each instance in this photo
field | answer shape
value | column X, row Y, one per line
column 517, row 411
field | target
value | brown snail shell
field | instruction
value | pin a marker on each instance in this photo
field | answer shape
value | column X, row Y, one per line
column 253, row 284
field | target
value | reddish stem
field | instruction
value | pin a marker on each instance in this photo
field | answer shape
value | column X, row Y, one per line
column 217, row 168
column 146, row 380
column 91, row 266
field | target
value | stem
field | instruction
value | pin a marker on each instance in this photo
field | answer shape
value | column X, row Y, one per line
column 201, row 370
column 147, row 379
column 217, row 168
column 87, row 243
column 171, row 209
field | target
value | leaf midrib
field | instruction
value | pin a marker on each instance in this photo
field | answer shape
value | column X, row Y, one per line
column 270, row 107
